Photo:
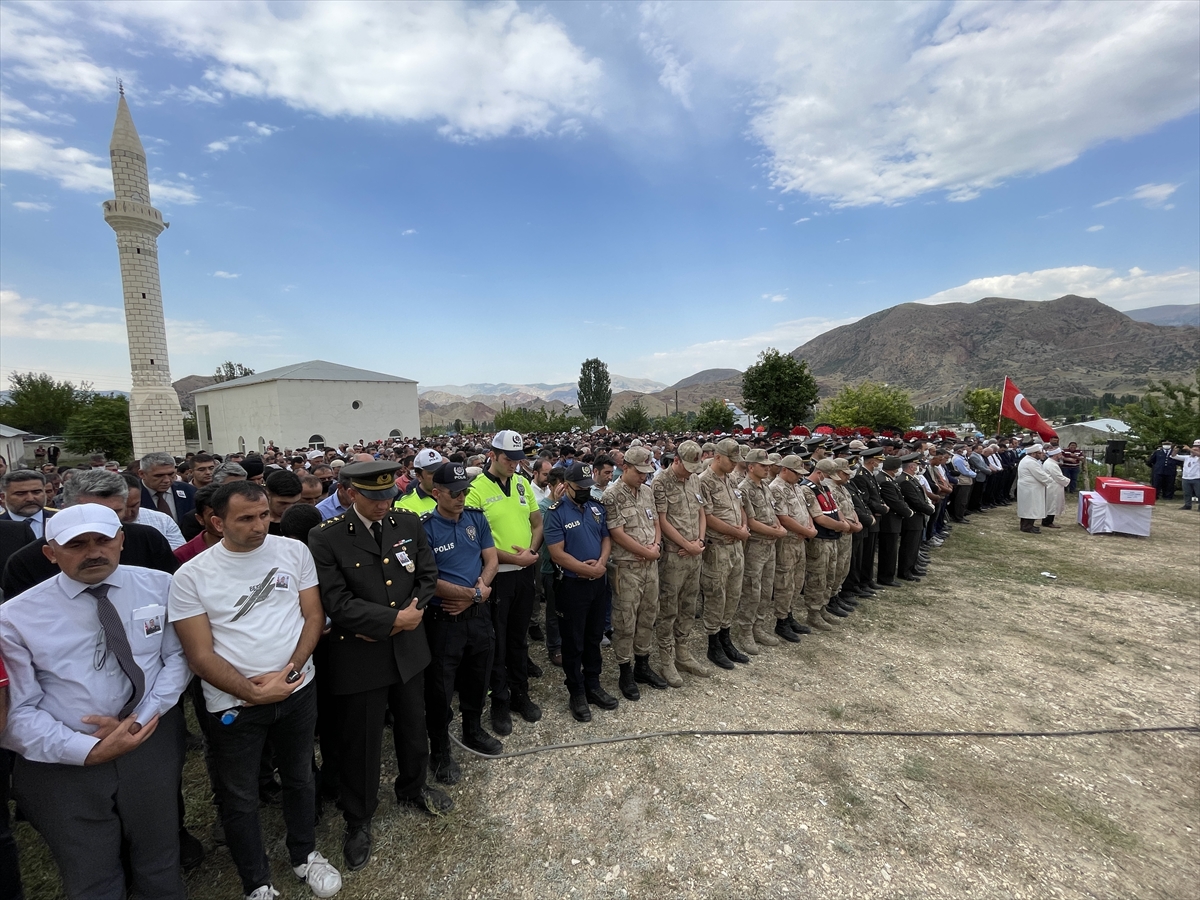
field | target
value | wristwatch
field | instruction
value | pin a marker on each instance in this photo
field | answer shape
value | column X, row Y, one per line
column 478, row 595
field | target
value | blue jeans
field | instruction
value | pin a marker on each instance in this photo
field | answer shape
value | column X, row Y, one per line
column 1072, row 473
column 290, row 726
column 1191, row 491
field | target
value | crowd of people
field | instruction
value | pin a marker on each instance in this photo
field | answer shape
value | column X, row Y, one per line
column 303, row 602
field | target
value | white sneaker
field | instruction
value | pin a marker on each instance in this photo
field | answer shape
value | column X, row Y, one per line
column 266, row 892
column 322, row 878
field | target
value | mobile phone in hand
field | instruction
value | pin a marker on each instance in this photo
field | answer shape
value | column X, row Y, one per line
column 293, row 676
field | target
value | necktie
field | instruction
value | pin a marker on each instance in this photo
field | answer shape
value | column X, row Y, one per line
column 163, row 506
column 118, row 643
column 377, row 533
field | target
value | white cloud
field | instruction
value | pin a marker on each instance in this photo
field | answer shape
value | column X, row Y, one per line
column 13, row 111
column 1095, row 228
column 407, row 231
column 192, row 94
column 775, row 298
column 735, row 353
column 73, row 168
column 859, row 104
column 221, row 146
column 1155, row 195
column 221, row 273
column 1134, row 290
column 28, row 206
column 798, row 221
column 258, row 132
column 262, row 130
column 35, row 49
column 482, row 71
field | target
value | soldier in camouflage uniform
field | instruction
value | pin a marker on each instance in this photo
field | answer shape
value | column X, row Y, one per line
column 680, row 507
column 633, row 527
column 758, row 573
column 822, row 554
column 790, row 555
column 845, row 543
column 721, row 575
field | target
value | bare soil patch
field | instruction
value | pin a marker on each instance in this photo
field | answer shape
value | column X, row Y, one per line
column 985, row 642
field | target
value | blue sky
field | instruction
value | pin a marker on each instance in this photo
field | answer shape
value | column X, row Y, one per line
column 493, row 192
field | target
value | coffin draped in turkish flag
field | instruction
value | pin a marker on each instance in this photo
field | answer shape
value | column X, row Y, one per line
column 1014, row 406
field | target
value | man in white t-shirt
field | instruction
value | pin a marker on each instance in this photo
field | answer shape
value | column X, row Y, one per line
column 248, row 613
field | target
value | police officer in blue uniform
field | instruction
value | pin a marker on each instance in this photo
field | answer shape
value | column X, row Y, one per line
column 457, row 621
column 576, row 535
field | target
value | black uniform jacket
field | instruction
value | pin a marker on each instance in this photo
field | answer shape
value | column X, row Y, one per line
column 870, row 490
column 898, row 509
column 362, row 589
column 914, row 496
column 861, row 508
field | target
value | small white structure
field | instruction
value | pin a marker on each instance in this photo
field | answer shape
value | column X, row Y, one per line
column 1093, row 434
column 12, row 445
column 309, row 404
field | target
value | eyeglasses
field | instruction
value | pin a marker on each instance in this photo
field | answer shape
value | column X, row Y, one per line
column 455, row 495
column 100, row 654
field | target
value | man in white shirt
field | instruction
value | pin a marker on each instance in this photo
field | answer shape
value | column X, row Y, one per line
column 248, row 613
column 1191, row 474
column 96, row 672
column 23, row 492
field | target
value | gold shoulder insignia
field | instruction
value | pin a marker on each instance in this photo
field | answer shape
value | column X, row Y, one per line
column 404, row 511
column 556, row 504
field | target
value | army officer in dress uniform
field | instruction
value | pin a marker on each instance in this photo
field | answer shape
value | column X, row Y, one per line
column 377, row 574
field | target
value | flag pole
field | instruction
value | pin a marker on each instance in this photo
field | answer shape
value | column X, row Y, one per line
column 1000, row 417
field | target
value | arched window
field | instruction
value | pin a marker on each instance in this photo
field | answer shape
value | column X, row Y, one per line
column 241, row 444
column 262, row 445
column 395, row 433
column 316, row 442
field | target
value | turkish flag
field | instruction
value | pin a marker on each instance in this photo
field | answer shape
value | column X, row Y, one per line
column 1014, row 406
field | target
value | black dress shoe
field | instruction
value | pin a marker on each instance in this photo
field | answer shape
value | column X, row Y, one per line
column 580, row 711
column 532, row 669
column 846, row 600
column 909, row 578
column 535, row 632
column 444, row 768
column 920, row 571
column 597, row 696
column 191, row 851
column 873, row 585
column 892, row 583
column 556, row 658
column 840, row 611
column 429, row 800
column 356, row 848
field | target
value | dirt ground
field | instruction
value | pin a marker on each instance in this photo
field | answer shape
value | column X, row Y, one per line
column 985, row 642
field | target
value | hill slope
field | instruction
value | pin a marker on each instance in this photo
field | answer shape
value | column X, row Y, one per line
column 1069, row 347
column 1176, row 314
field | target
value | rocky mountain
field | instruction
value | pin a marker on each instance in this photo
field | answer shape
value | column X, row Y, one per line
column 1175, row 314
column 567, row 392
column 188, row 383
column 1069, row 347
column 706, row 376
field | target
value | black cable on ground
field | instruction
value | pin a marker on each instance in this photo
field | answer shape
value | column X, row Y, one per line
column 828, row 732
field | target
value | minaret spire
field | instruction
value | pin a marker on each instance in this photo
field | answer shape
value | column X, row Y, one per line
column 154, row 411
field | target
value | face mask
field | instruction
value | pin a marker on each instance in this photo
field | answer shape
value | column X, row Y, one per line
column 582, row 494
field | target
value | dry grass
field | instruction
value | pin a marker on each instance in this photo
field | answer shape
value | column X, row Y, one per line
column 986, row 642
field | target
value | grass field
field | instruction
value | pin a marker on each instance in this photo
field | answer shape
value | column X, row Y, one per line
column 986, row 642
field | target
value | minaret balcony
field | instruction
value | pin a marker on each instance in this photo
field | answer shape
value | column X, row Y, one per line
column 120, row 214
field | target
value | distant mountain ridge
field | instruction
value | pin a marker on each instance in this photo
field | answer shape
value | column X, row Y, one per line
column 1069, row 347
column 1175, row 314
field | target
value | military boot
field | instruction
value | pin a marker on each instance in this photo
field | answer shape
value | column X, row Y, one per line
column 644, row 674
column 730, row 650
column 501, row 717
column 816, row 622
column 685, row 662
column 764, row 637
column 829, row 617
column 669, row 672
column 796, row 626
column 746, row 639
column 716, row 654
column 784, row 631
column 626, row 683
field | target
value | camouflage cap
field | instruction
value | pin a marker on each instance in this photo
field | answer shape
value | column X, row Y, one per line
column 708, row 447
column 756, row 455
column 774, row 458
column 843, row 465
column 731, row 448
column 827, row 466
column 639, row 457
column 793, row 462
column 689, row 454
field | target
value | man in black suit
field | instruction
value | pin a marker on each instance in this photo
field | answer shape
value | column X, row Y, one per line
column 872, row 459
column 23, row 492
column 377, row 573
column 144, row 546
column 913, row 527
column 162, row 492
column 891, row 522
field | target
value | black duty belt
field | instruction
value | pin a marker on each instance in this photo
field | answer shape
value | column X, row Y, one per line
column 437, row 614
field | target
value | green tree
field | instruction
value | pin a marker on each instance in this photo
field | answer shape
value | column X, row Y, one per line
column 595, row 391
column 672, row 424
column 227, row 371
column 458, row 426
column 39, row 404
column 191, row 428
column 101, row 425
column 869, row 403
column 537, row 421
column 779, row 389
column 633, row 419
column 983, row 408
column 1166, row 412
column 714, row 415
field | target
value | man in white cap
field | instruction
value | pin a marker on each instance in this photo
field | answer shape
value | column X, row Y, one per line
column 507, row 499
column 419, row 498
column 1056, row 498
column 99, row 735
column 1032, row 481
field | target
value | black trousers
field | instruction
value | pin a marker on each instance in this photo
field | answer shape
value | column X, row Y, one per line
column 512, row 609
column 962, row 494
column 329, row 721
column 976, row 497
column 362, row 745
column 910, row 546
column 10, row 871
column 580, row 605
column 866, row 560
column 889, row 555
column 86, row 812
column 858, row 541
column 289, row 725
column 462, row 648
